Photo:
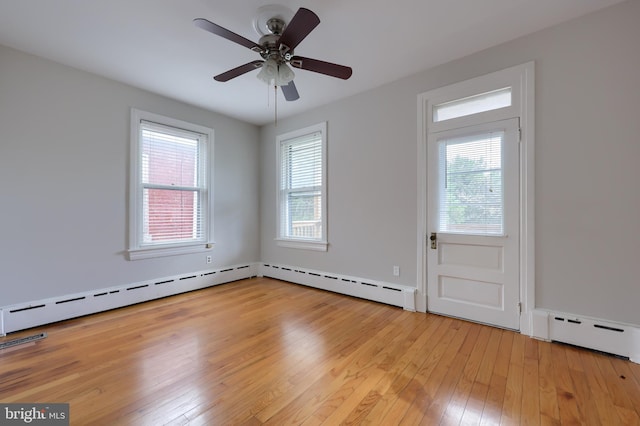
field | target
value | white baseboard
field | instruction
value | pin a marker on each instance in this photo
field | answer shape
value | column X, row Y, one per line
column 593, row 333
column 602, row 335
column 378, row 291
column 40, row 312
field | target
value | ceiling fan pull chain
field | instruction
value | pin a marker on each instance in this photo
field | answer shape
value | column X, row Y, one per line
column 275, row 102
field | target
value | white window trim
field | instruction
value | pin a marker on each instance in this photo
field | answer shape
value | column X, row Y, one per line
column 509, row 77
column 137, row 251
column 300, row 243
column 521, row 79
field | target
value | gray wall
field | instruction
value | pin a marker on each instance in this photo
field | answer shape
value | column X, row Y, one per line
column 64, row 152
column 587, row 181
column 64, row 147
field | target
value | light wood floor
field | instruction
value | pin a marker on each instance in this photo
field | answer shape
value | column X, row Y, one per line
column 261, row 351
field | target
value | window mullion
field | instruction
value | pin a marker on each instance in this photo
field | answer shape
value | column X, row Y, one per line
column 173, row 187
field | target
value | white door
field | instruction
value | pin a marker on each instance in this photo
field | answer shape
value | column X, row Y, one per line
column 473, row 223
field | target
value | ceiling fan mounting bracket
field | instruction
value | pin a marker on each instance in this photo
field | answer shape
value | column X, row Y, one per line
column 268, row 12
column 275, row 26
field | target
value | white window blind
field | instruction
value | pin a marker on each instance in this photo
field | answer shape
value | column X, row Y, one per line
column 482, row 102
column 301, row 187
column 173, row 185
column 471, row 185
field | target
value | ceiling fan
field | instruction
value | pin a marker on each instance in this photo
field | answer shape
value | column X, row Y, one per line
column 276, row 49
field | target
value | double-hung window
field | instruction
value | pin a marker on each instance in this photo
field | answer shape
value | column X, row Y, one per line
column 302, row 198
column 170, row 186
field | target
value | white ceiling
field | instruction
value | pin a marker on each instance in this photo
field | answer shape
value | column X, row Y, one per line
column 152, row 44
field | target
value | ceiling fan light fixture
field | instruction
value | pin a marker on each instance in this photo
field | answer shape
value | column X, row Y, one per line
column 285, row 75
column 268, row 71
column 275, row 74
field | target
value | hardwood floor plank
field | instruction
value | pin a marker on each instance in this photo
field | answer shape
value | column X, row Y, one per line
column 513, row 393
column 433, row 413
column 405, row 396
column 356, row 406
column 398, row 378
column 325, row 382
column 477, row 399
column 598, row 389
column 616, row 386
column 262, row 351
column 363, row 372
column 627, row 417
column 584, row 398
column 628, row 382
column 395, row 377
column 429, row 405
column 549, row 411
column 493, row 406
column 565, row 389
column 351, row 348
column 530, row 412
column 458, row 401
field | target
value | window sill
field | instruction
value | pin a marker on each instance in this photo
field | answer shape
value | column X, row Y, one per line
column 303, row 244
column 151, row 252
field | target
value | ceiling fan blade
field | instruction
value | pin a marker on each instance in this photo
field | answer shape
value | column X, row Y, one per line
column 302, row 23
column 290, row 92
column 238, row 71
column 225, row 33
column 322, row 67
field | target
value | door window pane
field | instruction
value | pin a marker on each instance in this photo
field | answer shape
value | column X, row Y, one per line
column 471, row 185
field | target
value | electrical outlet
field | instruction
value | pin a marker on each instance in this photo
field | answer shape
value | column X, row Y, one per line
column 396, row 271
column 208, row 259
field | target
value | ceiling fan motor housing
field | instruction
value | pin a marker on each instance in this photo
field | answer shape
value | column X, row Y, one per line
column 272, row 49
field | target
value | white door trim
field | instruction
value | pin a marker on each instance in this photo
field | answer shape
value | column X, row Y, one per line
column 521, row 79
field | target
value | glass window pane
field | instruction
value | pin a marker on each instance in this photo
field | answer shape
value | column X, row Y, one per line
column 168, row 159
column 302, row 163
column 305, row 215
column 471, row 185
column 472, row 105
column 170, row 216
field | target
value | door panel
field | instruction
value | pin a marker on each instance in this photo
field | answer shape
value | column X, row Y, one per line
column 473, row 271
column 475, row 256
column 473, row 292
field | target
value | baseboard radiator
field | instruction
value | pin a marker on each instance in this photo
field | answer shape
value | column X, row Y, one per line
column 592, row 333
column 378, row 291
column 41, row 312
